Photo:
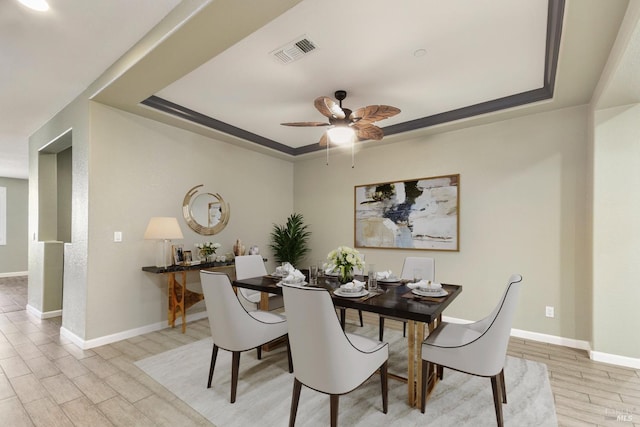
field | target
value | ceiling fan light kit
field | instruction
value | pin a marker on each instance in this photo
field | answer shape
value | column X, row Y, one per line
column 348, row 126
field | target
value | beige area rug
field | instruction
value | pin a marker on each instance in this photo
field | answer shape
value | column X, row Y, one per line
column 265, row 386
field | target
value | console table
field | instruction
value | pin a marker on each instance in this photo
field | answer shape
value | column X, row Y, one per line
column 181, row 298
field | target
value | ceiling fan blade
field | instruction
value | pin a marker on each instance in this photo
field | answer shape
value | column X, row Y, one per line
column 368, row 131
column 324, row 140
column 301, row 124
column 373, row 113
column 328, row 107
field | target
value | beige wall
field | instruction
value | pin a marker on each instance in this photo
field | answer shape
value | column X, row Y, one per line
column 523, row 210
column 141, row 168
column 616, row 231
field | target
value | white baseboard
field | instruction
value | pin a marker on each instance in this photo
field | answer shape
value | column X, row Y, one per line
column 597, row 356
column 614, row 359
column 108, row 339
column 551, row 339
column 15, row 274
column 42, row 315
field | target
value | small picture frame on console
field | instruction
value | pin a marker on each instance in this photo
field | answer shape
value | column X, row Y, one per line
column 178, row 254
column 187, row 258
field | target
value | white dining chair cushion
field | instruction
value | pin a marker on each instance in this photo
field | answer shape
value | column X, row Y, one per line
column 232, row 327
column 324, row 357
column 477, row 348
column 364, row 344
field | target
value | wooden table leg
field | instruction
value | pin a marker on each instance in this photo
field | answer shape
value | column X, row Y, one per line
column 411, row 344
column 419, row 339
column 264, row 301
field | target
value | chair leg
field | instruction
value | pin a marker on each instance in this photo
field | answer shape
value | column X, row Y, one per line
column 497, row 401
column 504, row 387
column 385, row 387
column 214, row 355
column 259, row 351
column 235, row 367
column 404, row 329
column 440, row 372
column 289, row 356
column 334, row 409
column 343, row 316
column 381, row 328
column 360, row 316
column 295, row 398
column 423, row 388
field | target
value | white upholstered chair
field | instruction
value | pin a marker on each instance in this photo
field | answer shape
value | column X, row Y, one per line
column 428, row 267
column 478, row 348
column 233, row 328
column 253, row 266
column 325, row 358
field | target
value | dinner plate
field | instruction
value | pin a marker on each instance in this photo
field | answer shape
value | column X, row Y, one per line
column 296, row 284
column 389, row 280
column 351, row 294
column 442, row 293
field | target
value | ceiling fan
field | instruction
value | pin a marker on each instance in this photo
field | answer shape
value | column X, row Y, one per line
column 359, row 121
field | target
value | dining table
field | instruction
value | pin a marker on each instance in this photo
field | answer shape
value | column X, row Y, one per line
column 391, row 299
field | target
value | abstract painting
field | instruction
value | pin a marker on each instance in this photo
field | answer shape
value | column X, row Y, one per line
column 416, row 214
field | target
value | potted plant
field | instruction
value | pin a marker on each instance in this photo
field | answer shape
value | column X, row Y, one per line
column 289, row 242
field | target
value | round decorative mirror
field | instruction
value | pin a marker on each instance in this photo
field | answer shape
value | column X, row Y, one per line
column 205, row 213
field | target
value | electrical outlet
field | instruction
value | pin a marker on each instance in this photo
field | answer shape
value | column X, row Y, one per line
column 549, row 311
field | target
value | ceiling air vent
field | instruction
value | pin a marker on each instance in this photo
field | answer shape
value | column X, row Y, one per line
column 294, row 50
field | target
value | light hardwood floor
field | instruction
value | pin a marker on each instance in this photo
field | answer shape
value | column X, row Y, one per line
column 45, row 380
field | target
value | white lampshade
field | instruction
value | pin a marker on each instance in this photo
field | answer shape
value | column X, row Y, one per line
column 163, row 228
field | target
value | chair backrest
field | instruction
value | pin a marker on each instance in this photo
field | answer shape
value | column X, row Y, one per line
column 491, row 345
column 427, row 265
column 249, row 266
column 358, row 271
column 323, row 357
column 232, row 328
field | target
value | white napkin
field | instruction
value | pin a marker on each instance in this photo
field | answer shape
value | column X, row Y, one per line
column 425, row 285
column 384, row 275
column 284, row 269
column 294, row 276
column 353, row 286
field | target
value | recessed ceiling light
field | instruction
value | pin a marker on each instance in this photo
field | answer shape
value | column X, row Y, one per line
column 39, row 5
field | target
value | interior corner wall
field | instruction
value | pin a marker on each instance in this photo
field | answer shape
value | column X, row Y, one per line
column 13, row 255
column 140, row 168
column 523, row 207
column 616, row 231
column 74, row 116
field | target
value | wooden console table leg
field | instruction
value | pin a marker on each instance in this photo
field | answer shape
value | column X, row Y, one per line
column 171, row 300
column 183, row 292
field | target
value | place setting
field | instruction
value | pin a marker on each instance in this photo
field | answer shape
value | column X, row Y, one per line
column 426, row 290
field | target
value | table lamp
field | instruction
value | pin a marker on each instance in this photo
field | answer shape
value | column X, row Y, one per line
column 163, row 229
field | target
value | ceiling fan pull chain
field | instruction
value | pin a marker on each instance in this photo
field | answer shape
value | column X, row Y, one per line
column 327, row 153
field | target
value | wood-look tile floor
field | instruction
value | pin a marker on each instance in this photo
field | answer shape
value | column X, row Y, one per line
column 45, row 380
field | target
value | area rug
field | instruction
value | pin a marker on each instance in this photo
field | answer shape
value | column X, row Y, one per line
column 265, row 386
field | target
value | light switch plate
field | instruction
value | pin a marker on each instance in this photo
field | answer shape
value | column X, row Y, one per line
column 117, row 236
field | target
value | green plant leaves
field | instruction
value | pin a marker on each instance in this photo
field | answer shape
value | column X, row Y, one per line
column 289, row 242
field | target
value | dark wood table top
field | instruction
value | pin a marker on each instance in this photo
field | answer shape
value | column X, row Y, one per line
column 392, row 301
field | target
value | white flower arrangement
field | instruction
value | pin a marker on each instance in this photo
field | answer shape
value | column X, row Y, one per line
column 345, row 259
column 207, row 248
